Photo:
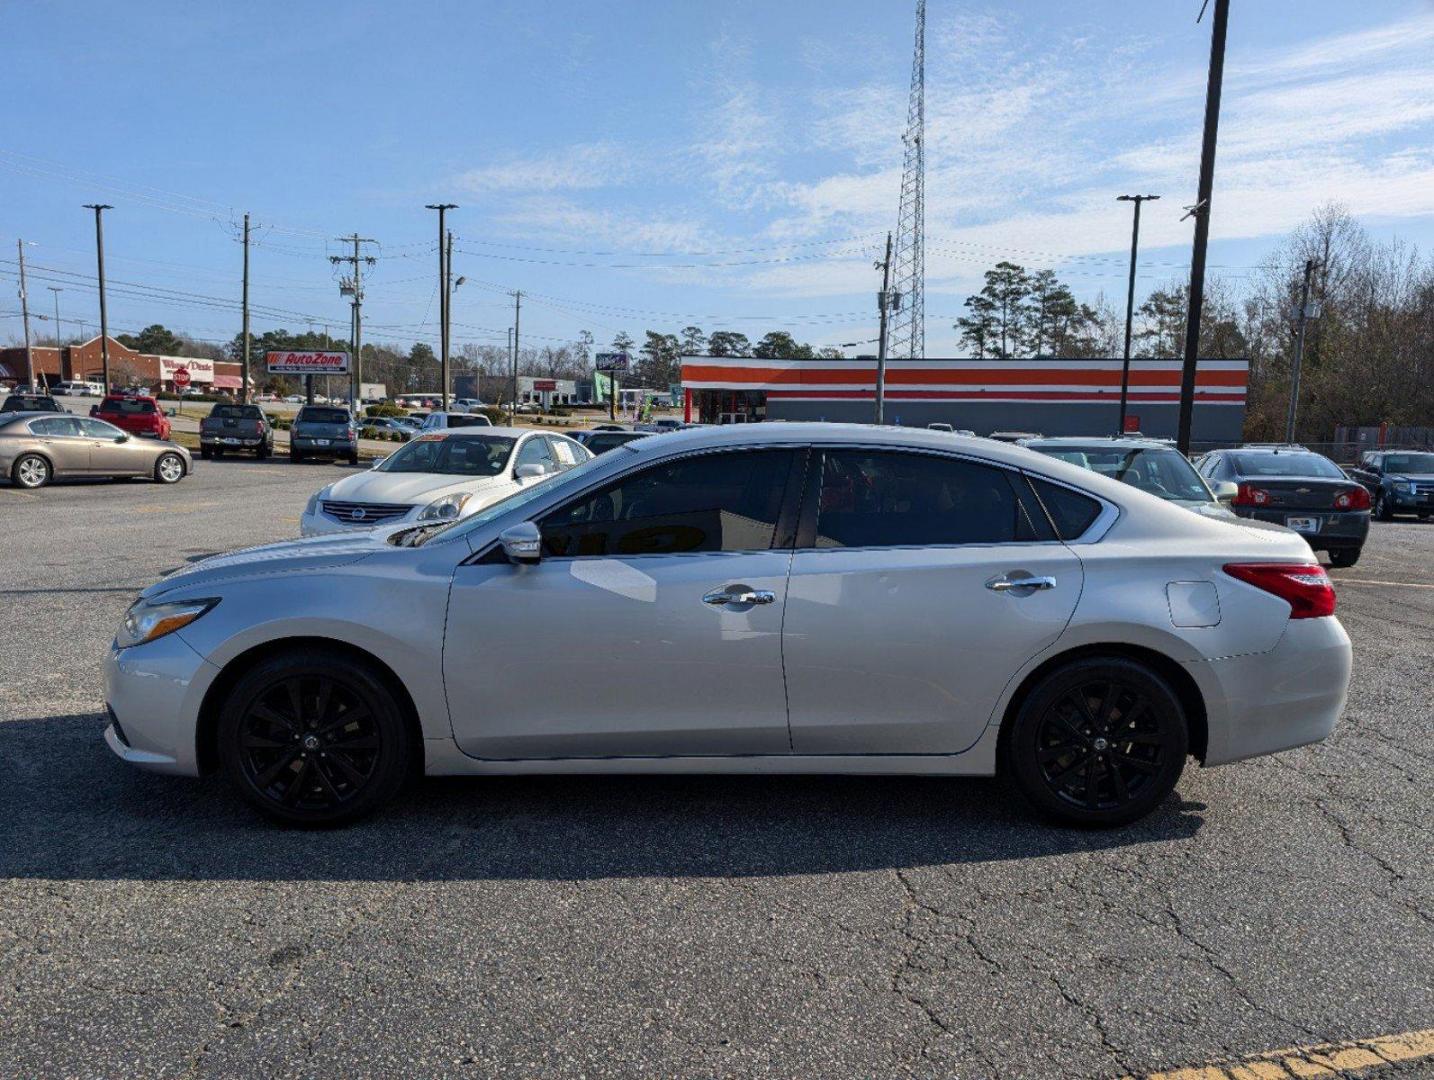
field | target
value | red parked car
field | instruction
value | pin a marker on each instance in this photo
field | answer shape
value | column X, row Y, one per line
column 134, row 413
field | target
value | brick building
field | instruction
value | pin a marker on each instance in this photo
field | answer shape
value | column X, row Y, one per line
column 127, row 367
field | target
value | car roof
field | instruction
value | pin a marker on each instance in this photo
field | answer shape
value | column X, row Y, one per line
column 1075, row 441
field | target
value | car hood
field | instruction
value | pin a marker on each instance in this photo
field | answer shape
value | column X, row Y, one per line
column 288, row 556
column 1415, row 477
column 393, row 487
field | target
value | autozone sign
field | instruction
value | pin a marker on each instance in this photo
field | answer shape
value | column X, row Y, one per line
column 307, row 363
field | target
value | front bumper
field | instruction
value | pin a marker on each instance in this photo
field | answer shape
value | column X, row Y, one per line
column 1262, row 703
column 1412, row 503
column 154, row 691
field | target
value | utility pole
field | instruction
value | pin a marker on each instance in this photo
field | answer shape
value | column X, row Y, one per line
column 517, row 315
column 59, row 356
column 1201, row 211
column 354, row 288
column 1130, row 303
column 443, row 275
column 883, row 301
column 510, row 362
column 25, row 319
column 1310, row 265
column 99, row 209
column 244, row 371
column 448, row 288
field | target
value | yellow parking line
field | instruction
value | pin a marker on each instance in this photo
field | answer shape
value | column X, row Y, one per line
column 1328, row 1061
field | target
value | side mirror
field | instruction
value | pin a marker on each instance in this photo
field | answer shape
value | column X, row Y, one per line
column 378, row 461
column 1226, row 490
column 524, row 472
column 121, row 438
column 522, row 543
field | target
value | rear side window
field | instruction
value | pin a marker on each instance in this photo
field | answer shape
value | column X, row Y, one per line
column 713, row 502
column 1071, row 512
column 55, row 425
column 311, row 415
column 892, row 499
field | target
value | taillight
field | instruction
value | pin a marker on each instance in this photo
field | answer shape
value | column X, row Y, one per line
column 259, row 427
column 1353, row 499
column 1250, row 495
column 1304, row 586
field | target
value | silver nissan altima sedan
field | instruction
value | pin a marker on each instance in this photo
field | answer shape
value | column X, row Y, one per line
column 800, row 598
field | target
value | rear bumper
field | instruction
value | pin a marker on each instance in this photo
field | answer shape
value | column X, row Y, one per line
column 1291, row 696
column 1337, row 530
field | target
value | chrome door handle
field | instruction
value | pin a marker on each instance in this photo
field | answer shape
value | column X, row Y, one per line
column 740, row 594
column 1005, row 584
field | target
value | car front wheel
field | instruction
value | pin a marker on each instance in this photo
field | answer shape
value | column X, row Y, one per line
column 312, row 738
column 1100, row 741
column 169, row 469
column 1383, row 507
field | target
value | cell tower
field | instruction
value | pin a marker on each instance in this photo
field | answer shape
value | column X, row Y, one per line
column 908, row 327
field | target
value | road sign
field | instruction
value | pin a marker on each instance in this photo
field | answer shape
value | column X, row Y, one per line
column 307, row 363
column 612, row 361
column 181, row 377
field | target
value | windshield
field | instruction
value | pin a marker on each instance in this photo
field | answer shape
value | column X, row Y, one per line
column 1286, row 465
column 467, row 455
column 1409, row 463
column 1157, row 470
column 574, row 476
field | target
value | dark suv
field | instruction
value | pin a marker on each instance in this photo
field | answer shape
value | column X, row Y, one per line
column 30, row 403
column 323, row 431
column 1299, row 489
column 1401, row 482
column 236, row 427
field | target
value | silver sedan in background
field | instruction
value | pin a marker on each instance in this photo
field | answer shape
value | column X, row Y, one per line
column 36, row 448
column 798, row 598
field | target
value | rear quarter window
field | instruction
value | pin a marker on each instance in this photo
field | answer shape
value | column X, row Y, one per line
column 1070, row 512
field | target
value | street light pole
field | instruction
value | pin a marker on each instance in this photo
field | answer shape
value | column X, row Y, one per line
column 99, row 209
column 1130, row 303
column 442, row 209
column 884, row 301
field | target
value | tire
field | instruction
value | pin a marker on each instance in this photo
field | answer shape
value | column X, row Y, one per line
column 168, row 469
column 205, row 453
column 1347, row 557
column 1383, row 510
column 295, row 457
column 218, row 452
column 31, row 471
column 262, row 454
column 353, row 459
column 285, row 745
column 1099, row 741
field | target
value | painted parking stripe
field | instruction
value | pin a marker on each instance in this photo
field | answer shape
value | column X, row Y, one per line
column 1328, row 1061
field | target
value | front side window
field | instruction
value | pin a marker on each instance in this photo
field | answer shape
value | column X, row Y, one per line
column 535, row 452
column 98, row 429
column 458, row 455
column 891, row 499
column 725, row 501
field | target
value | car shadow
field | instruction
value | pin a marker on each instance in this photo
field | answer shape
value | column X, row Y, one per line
column 74, row 811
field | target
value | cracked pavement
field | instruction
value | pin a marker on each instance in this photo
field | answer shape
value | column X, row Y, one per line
column 679, row 926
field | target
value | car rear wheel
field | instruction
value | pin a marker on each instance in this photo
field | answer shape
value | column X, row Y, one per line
column 31, row 471
column 313, row 738
column 1100, row 741
column 169, row 469
column 295, row 456
column 1347, row 557
column 205, row 453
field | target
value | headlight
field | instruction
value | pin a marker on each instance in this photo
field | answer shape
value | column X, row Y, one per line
column 1402, row 488
column 145, row 621
column 444, row 509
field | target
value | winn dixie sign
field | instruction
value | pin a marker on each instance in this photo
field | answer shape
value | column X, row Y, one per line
column 307, row 363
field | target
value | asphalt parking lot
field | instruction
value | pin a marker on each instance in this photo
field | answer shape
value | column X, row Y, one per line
column 153, row 926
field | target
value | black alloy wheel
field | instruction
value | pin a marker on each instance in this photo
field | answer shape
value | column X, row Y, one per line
column 314, row 739
column 1344, row 556
column 1098, row 742
column 1383, row 508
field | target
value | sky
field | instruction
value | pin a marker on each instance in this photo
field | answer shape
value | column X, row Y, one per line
column 731, row 164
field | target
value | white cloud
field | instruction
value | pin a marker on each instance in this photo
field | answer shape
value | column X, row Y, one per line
column 589, row 165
